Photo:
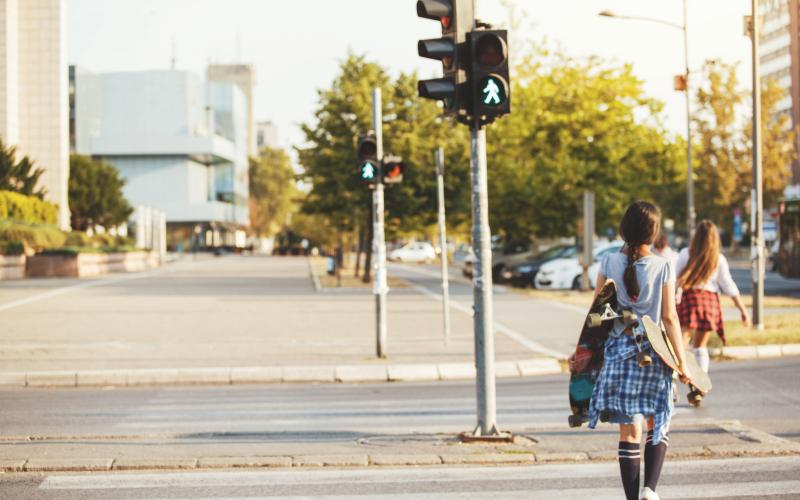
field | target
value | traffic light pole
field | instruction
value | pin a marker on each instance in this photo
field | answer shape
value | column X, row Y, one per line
column 443, row 243
column 482, row 286
column 381, row 287
column 757, row 216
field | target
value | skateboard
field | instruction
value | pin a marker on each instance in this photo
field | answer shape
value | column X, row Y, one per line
column 588, row 356
column 662, row 346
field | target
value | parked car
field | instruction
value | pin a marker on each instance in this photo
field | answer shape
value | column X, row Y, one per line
column 462, row 253
column 417, row 251
column 504, row 259
column 523, row 275
column 565, row 273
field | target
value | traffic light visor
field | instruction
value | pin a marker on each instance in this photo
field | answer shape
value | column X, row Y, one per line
column 439, row 10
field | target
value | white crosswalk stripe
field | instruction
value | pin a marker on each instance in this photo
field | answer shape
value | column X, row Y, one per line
column 742, row 477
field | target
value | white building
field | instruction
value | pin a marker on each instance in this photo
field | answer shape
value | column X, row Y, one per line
column 244, row 77
column 33, row 90
column 266, row 135
column 180, row 143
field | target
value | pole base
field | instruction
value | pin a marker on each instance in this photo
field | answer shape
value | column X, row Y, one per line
column 494, row 437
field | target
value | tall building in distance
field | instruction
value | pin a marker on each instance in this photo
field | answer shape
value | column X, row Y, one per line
column 33, row 90
column 244, row 77
column 779, row 57
column 266, row 135
column 179, row 141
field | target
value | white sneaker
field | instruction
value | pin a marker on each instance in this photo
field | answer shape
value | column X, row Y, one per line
column 648, row 494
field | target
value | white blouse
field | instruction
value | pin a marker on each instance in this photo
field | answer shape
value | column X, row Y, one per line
column 720, row 281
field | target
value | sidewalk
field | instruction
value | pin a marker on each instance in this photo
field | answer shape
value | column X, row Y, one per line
column 698, row 439
column 229, row 320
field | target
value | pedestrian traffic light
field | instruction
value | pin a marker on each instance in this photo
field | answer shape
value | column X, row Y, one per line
column 456, row 18
column 488, row 74
column 367, row 150
column 393, row 169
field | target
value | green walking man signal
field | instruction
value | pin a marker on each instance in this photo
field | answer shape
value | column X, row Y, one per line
column 368, row 171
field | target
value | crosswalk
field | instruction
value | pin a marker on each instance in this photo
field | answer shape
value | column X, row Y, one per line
column 777, row 477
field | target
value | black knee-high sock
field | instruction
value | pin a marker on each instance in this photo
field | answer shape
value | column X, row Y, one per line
column 654, row 460
column 629, row 460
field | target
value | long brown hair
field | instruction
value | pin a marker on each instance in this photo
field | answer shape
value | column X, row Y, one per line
column 703, row 255
column 639, row 226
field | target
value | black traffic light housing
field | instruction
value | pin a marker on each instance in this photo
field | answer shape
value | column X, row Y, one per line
column 367, row 151
column 488, row 74
column 392, row 169
column 456, row 19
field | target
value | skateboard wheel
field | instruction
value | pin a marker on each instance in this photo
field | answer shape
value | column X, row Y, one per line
column 575, row 420
column 643, row 359
column 695, row 397
column 594, row 320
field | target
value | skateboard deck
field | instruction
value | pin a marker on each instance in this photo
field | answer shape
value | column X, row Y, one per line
column 589, row 355
column 665, row 350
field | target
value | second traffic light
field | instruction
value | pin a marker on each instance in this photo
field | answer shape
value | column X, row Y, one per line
column 456, row 18
column 488, row 74
column 392, row 169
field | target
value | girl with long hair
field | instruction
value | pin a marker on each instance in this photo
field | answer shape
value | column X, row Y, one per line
column 703, row 273
column 626, row 393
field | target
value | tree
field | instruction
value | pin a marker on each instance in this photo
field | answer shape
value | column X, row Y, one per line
column 577, row 125
column 19, row 176
column 272, row 191
column 95, row 194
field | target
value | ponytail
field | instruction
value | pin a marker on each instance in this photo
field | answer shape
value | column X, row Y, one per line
column 629, row 276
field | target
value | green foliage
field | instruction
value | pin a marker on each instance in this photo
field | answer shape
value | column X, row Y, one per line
column 577, row 125
column 95, row 194
column 33, row 236
column 272, row 191
column 19, row 176
column 27, row 208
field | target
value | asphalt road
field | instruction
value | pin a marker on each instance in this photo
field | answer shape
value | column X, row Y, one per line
column 762, row 394
column 771, row 478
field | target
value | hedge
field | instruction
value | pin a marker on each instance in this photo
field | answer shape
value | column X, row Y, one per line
column 35, row 236
column 28, row 209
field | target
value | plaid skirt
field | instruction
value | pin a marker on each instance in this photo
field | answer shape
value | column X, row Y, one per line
column 624, row 390
column 700, row 310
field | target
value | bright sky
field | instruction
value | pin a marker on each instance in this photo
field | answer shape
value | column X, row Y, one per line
column 296, row 45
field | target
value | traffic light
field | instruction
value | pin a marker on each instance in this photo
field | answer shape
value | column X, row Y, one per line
column 488, row 74
column 456, row 19
column 368, row 167
column 393, row 169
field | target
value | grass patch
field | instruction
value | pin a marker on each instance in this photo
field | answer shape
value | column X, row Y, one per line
column 348, row 279
column 778, row 329
column 576, row 298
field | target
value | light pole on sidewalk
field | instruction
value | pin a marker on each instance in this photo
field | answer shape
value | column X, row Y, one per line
column 381, row 287
column 690, row 211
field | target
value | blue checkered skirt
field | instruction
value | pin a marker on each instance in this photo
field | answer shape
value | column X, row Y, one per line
column 625, row 390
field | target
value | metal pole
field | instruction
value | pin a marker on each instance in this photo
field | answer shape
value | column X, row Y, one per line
column 482, row 286
column 378, row 242
column 691, row 217
column 443, row 243
column 757, row 245
column 588, row 237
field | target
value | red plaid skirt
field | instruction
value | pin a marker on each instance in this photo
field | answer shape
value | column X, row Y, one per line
column 700, row 310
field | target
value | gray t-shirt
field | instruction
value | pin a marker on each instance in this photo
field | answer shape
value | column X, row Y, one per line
column 652, row 273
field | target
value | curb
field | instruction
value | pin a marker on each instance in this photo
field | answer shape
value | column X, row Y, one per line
column 756, row 351
column 351, row 460
column 428, row 372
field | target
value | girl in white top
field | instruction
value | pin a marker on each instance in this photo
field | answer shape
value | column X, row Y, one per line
column 703, row 273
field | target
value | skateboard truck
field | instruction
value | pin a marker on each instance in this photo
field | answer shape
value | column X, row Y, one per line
column 630, row 320
column 639, row 335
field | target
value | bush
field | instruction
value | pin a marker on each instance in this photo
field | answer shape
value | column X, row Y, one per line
column 34, row 236
column 78, row 239
column 26, row 208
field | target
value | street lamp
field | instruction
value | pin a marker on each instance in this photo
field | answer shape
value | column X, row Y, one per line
column 690, row 212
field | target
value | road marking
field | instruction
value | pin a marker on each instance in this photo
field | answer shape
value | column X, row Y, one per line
column 499, row 327
column 751, row 434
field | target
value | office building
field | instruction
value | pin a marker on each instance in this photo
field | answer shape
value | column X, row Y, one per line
column 266, row 135
column 33, row 90
column 179, row 142
column 244, row 77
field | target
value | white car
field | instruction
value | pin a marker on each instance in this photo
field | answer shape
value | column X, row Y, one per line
column 563, row 274
column 418, row 251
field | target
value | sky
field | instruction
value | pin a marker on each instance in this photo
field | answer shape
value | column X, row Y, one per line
column 297, row 45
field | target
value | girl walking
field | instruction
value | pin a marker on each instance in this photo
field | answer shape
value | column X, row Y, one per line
column 627, row 394
column 703, row 273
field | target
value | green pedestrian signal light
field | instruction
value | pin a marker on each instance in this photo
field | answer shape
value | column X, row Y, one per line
column 368, row 171
column 493, row 91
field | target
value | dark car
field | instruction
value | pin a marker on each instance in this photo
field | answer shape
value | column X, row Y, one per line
column 523, row 275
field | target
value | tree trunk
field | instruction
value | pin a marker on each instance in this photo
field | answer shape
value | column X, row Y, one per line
column 359, row 248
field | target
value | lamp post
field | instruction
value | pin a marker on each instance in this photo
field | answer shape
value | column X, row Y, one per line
column 690, row 212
